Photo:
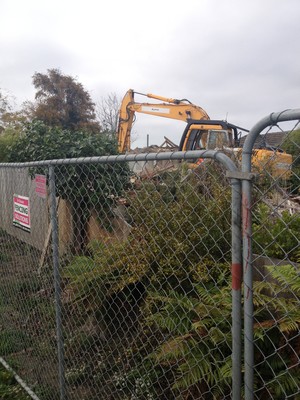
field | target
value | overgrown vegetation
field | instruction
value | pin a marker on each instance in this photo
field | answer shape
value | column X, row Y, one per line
column 161, row 300
column 27, row 334
column 292, row 146
column 276, row 236
column 9, row 388
column 84, row 186
column 63, row 102
column 149, row 317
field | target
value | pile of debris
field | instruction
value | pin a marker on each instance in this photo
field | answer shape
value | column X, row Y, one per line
column 151, row 169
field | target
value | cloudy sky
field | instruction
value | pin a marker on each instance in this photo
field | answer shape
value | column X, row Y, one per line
column 237, row 59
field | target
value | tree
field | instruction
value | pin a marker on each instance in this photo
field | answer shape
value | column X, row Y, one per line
column 63, row 102
column 108, row 115
column 7, row 138
column 10, row 124
column 84, row 186
column 108, row 112
column 5, row 102
column 5, row 109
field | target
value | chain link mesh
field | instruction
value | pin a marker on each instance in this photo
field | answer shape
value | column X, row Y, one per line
column 27, row 323
column 276, row 233
column 144, row 284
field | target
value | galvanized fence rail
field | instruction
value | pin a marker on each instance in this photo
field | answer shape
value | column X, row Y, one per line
column 271, row 249
column 121, row 276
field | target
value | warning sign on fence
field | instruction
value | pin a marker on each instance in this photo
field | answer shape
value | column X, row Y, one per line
column 40, row 186
column 21, row 212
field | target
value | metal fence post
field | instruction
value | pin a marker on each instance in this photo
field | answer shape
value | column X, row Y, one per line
column 236, row 276
column 100, row 353
column 57, row 285
column 248, row 290
column 236, row 291
column 270, row 120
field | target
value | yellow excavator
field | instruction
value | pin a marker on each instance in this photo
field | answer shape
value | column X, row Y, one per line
column 199, row 125
column 200, row 132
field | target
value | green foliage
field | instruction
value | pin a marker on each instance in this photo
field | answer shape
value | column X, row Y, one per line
column 200, row 344
column 108, row 278
column 84, row 185
column 178, row 216
column 42, row 142
column 91, row 183
column 277, row 324
column 276, row 236
column 168, row 223
column 9, row 125
column 128, row 282
column 7, row 139
column 12, row 340
column 292, row 146
column 163, row 296
column 9, row 388
column 5, row 109
column 287, row 278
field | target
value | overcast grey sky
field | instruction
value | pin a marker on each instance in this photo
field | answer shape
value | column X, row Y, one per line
column 237, row 59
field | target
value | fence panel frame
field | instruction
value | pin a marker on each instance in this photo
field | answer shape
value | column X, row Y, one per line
column 270, row 120
column 232, row 174
column 241, row 243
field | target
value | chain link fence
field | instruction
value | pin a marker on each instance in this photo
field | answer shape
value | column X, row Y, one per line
column 272, row 285
column 121, row 277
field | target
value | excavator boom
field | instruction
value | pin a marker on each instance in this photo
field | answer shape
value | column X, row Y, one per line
column 170, row 108
column 200, row 133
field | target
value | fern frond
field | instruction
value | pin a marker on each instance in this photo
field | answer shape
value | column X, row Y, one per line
column 291, row 323
column 287, row 276
column 193, row 372
column 218, row 336
column 176, row 298
column 224, row 380
column 287, row 382
column 172, row 322
column 173, row 349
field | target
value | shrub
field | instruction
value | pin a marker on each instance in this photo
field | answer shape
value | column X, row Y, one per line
column 275, row 235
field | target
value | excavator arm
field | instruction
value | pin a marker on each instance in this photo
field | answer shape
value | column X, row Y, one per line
column 170, row 108
column 200, row 133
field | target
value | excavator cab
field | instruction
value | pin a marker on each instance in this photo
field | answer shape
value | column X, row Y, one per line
column 209, row 134
column 201, row 132
column 219, row 139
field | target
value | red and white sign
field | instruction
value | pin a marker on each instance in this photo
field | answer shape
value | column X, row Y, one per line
column 21, row 212
column 41, row 186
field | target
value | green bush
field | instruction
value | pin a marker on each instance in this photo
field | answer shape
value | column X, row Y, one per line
column 7, row 139
column 178, row 215
column 85, row 186
column 169, row 219
column 162, row 297
column 292, row 146
column 274, row 235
